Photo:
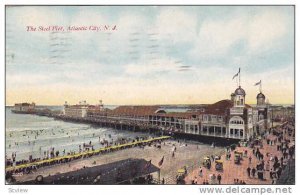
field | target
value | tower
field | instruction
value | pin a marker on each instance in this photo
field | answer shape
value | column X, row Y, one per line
column 232, row 96
column 261, row 99
column 239, row 97
column 101, row 106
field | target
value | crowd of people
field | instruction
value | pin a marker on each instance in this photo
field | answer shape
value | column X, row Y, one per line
column 260, row 164
column 269, row 164
column 53, row 158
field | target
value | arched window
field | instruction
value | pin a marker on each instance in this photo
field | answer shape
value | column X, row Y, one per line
column 236, row 120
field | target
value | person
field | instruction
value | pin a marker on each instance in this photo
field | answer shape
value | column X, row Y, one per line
column 163, row 181
column 213, row 178
column 249, row 171
column 253, row 172
column 201, row 172
column 268, row 166
column 271, row 174
column 219, row 178
column 250, row 159
column 274, row 180
column 279, row 171
column 195, row 180
column 246, row 152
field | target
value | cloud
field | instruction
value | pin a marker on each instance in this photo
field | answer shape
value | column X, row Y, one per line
column 258, row 32
column 175, row 24
column 265, row 28
column 109, row 64
column 21, row 17
column 141, row 68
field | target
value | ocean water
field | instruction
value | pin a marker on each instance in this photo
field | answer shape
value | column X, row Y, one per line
column 32, row 135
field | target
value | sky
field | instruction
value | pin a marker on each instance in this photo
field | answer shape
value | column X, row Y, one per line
column 156, row 54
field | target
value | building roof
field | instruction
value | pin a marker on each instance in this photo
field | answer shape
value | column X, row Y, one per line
column 23, row 104
column 135, row 110
column 91, row 107
column 248, row 106
column 260, row 95
column 177, row 114
column 219, row 108
column 240, row 91
column 112, row 173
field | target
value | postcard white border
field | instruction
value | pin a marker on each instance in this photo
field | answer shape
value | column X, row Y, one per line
column 138, row 190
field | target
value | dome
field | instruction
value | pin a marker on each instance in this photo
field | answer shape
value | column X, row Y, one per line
column 240, row 91
column 260, row 95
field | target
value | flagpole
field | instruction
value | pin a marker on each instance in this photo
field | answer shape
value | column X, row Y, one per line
column 239, row 77
column 260, row 86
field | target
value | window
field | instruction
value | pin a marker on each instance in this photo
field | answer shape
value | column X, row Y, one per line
column 211, row 130
column 224, row 130
column 236, row 132
column 236, row 120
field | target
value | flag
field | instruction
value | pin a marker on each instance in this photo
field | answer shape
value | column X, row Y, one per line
column 258, row 83
column 236, row 74
column 161, row 161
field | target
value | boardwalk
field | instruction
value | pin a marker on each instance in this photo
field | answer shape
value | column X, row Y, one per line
column 184, row 155
column 233, row 171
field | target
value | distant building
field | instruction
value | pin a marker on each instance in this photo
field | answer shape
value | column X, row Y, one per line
column 231, row 118
column 80, row 110
column 282, row 113
column 24, row 108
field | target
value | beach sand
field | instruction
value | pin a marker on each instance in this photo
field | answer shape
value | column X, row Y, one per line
column 188, row 155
